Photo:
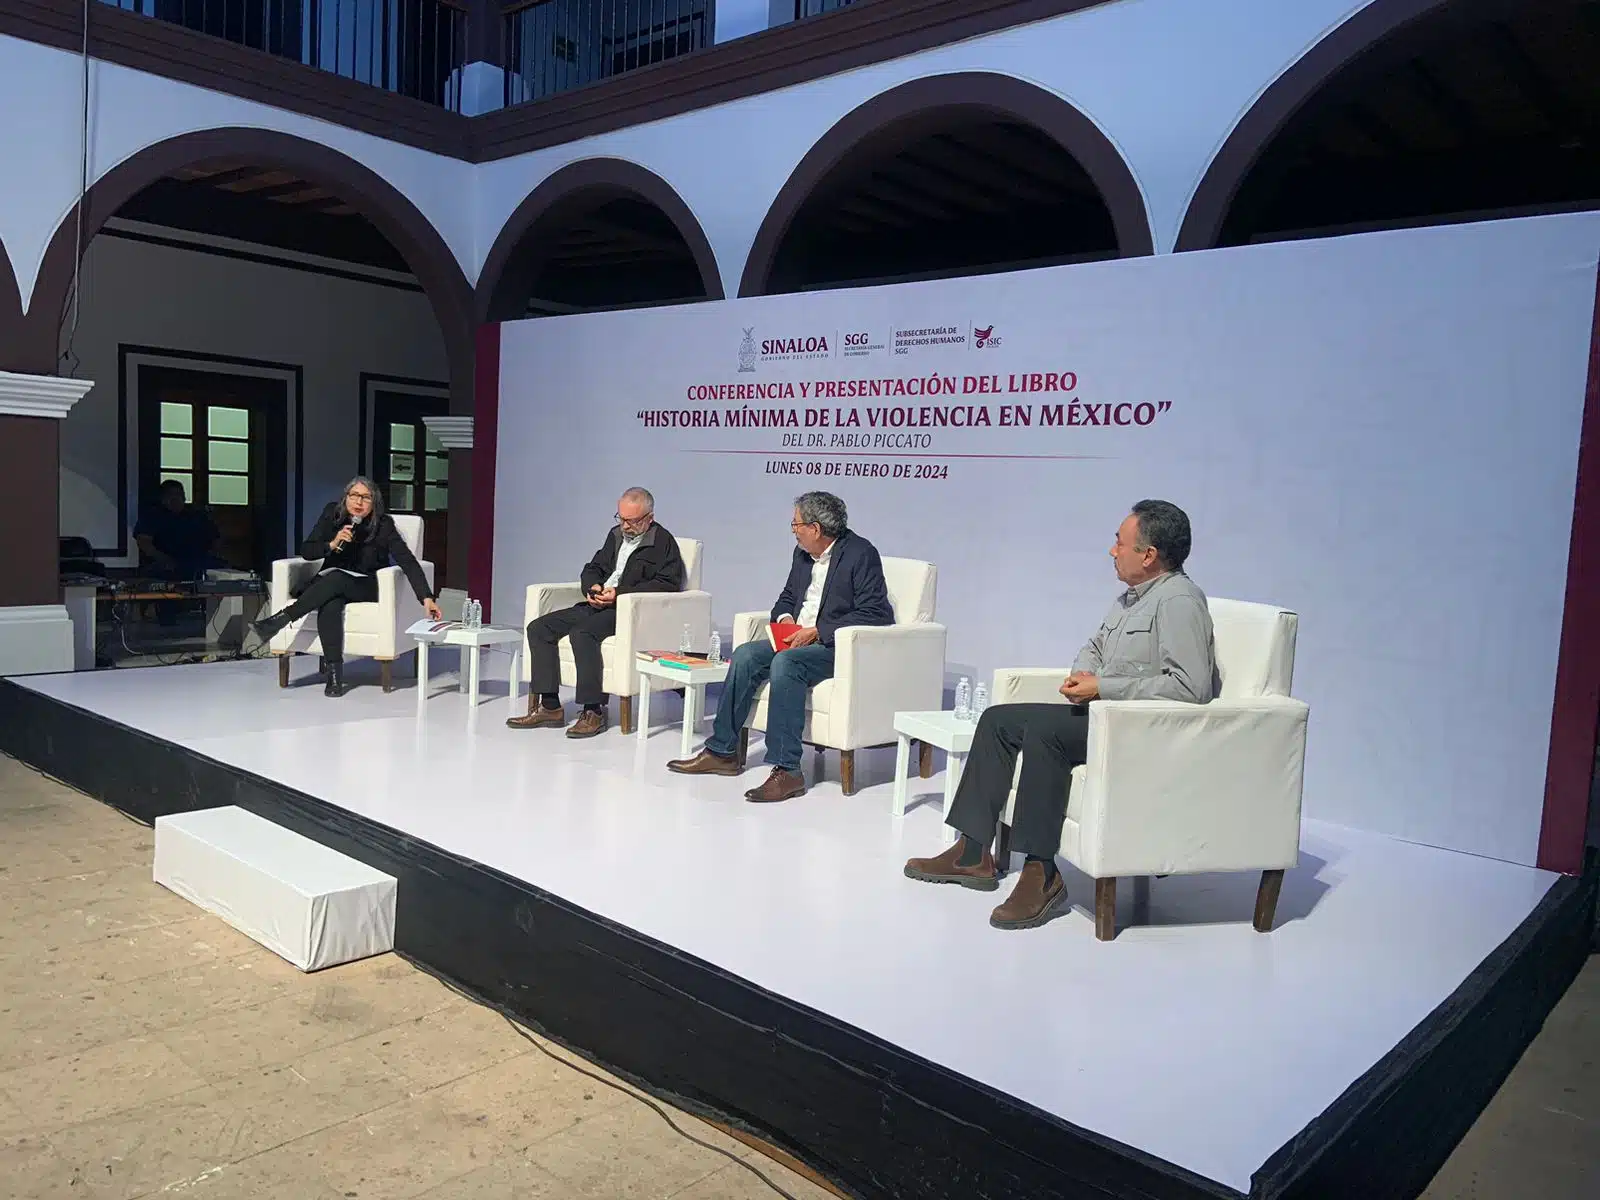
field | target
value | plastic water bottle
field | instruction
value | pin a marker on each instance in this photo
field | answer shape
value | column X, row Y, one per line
column 477, row 614
column 980, row 700
column 963, row 696
column 686, row 640
column 715, row 657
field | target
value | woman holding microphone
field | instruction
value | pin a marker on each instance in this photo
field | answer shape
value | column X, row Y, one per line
column 355, row 539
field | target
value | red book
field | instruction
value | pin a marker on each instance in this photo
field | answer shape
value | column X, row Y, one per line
column 779, row 633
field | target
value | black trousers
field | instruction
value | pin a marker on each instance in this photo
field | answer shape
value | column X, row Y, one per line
column 327, row 596
column 587, row 626
column 1053, row 738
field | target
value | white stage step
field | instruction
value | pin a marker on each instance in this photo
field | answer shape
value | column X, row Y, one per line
column 311, row 905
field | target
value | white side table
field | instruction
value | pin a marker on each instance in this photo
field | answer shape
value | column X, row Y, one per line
column 472, row 642
column 940, row 729
column 692, row 680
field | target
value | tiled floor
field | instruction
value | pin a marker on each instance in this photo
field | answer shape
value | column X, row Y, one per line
column 146, row 1049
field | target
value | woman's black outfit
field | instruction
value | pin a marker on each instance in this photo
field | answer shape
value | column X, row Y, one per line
column 348, row 576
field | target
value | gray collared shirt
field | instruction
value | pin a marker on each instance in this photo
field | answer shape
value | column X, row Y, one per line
column 1155, row 644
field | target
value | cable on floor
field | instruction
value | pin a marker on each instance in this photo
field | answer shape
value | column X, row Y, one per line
column 539, row 1045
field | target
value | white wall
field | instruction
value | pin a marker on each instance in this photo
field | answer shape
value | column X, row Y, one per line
column 1212, row 59
column 41, row 97
column 1379, row 432
column 141, row 294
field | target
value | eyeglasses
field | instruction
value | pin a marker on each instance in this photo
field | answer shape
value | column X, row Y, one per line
column 632, row 522
column 798, row 525
column 358, row 495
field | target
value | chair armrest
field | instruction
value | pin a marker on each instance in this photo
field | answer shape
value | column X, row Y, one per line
column 748, row 626
column 655, row 620
column 880, row 670
column 396, row 597
column 548, row 597
column 1175, row 788
column 1028, row 685
column 287, row 575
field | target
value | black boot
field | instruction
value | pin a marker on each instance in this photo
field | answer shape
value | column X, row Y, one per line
column 268, row 628
column 335, row 685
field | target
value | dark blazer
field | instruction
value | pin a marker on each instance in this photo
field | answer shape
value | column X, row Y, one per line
column 654, row 566
column 375, row 543
column 854, row 594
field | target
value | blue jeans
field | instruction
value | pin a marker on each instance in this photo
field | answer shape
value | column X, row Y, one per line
column 793, row 674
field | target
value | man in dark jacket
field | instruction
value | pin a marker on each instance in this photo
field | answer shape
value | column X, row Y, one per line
column 638, row 555
column 835, row 580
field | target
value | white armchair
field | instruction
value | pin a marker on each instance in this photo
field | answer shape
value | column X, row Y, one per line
column 645, row 621
column 1178, row 789
column 878, row 670
column 371, row 630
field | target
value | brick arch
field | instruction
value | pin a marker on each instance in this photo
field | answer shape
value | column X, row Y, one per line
column 506, row 273
column 11, row 331
column 1287, row 95
column 1004, row 96
column 411, row 233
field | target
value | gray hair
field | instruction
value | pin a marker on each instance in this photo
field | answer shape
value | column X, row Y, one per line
column 377, row 498
column 639, row 493
column 1164, row 527
column 824, row 510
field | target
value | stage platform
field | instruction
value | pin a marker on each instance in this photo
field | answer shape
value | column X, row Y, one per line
column 770, row 965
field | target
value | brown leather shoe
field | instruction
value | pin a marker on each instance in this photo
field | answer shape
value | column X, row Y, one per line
column 706, row 763
column 780, row 785
column 538, row 715
column 946, row 868
column 589, row 723
column 1031, row 902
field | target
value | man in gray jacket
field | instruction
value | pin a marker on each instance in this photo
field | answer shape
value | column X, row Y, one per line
column 1155, row 644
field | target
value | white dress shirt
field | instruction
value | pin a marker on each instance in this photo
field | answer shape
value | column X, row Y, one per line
column 628, row 546
column 812, row 604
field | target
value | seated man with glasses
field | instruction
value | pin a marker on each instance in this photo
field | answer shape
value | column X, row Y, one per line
column 637, row 556
column 835, row 580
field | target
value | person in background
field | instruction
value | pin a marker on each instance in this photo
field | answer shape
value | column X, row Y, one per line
column 176, row 542
column 835, row 580
column 355, row 539
column 1155, row 644
column 638, row 555
column 175, row 538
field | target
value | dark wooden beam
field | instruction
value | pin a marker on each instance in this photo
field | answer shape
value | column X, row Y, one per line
column 1537, row 87
column 1373, row 128
column 975, row 193
column 1449, row 107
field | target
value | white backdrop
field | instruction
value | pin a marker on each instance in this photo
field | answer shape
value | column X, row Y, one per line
column 1379, row 432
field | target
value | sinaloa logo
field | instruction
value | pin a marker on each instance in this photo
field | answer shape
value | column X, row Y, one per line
column 747, row 351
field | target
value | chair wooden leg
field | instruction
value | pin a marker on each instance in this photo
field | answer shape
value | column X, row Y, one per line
column 283, row 670
column 625, row 712
column 925, row 759
column 1105, row 909
column 847, row 771
column 1267, row 900
column 386, row 673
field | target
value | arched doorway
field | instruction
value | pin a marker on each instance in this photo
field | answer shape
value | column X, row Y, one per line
column 598, row 234
column 1415, row 112
column 957, row 174
column 307, row 221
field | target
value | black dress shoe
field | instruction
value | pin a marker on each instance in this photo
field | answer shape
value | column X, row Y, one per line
column 335, row 685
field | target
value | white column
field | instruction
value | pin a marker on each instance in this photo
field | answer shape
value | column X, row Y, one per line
column 36, row 639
